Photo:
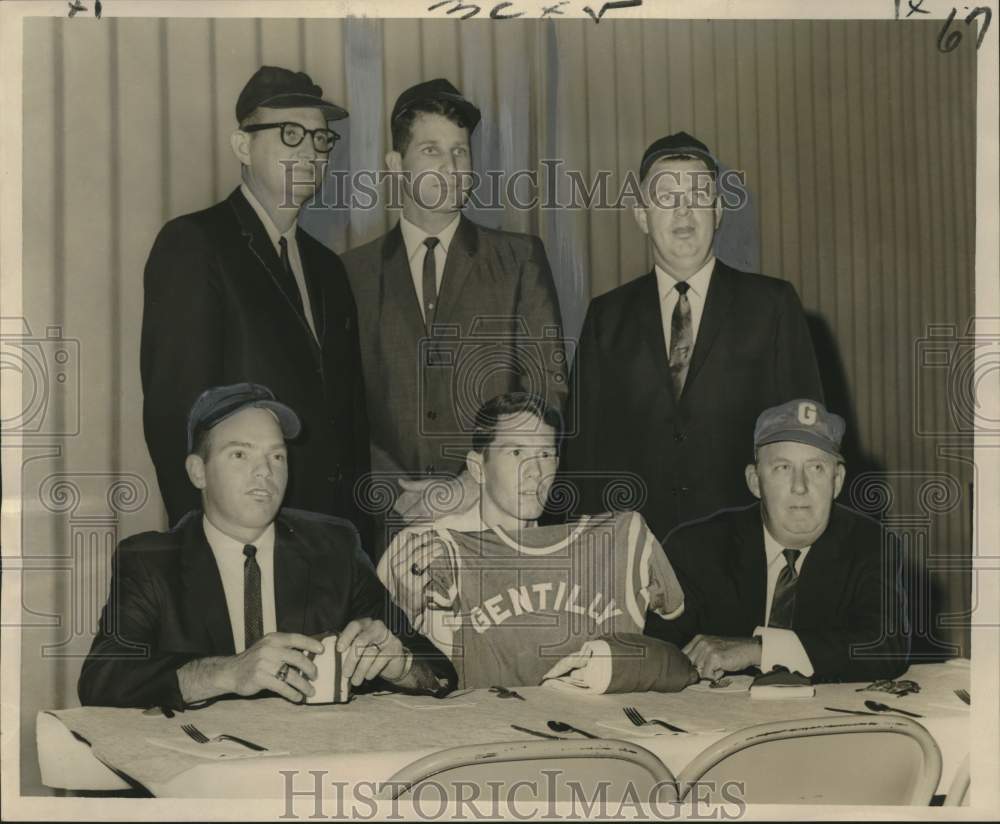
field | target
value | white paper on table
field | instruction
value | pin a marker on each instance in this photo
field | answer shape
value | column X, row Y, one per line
column 213, row 750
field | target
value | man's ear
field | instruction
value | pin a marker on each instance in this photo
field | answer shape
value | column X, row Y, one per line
column 639, row 213
column 239, row 141
column 838, row 479
column 394, row 161
column 195, row 467
column 718, row 211
column 474, row 463
column 753, row 479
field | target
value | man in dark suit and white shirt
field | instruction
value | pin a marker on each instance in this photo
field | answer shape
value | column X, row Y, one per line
column 673, row 368
column 452, row 313
column 232, row 598
column 238, row 292
column 795, row 580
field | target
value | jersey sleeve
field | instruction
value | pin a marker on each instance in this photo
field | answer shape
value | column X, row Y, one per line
column 657, row 584
column 442, row 588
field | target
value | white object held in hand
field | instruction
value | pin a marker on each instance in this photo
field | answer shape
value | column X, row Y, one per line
column 331, row 683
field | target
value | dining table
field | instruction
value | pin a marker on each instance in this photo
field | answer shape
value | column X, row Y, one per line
column 374, row 735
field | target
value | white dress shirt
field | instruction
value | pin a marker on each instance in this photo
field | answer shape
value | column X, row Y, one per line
column 780, row 646
column 413, row 239
column 293, row 251
column 698, row 283
column 229, row 558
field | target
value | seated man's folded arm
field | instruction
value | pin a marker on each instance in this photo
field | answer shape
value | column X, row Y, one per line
column 871, row 640
column 124, row 668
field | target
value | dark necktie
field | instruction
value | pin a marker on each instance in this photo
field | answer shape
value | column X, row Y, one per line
column 783, row 602
column 253, row 610
column 290, row 286
column 430, row 282
column 681, row 339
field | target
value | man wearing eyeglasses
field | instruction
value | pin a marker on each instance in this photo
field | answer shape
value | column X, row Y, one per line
column 239, row 293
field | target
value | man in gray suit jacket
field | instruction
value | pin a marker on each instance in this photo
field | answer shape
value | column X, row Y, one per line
column 450, row 313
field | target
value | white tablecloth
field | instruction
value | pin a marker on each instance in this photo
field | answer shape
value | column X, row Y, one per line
column 374, row 736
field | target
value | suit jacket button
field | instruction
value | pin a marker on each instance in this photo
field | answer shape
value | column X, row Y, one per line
column 432, row 415
column 680, row 437
column 685, row 490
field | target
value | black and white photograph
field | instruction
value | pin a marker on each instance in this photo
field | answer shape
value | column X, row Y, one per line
column 539, row 409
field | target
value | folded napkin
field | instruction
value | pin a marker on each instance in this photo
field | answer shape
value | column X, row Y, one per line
column 213, row 750
column 623, row 663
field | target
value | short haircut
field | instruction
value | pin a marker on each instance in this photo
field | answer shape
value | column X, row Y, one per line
column 402, row 126
column 201, row 442
column 710, row 167
column 511, row 403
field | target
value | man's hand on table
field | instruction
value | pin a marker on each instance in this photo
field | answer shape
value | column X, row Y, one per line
column 430, row 498
column 715, row 655
column 255, row 669
column 371, row 650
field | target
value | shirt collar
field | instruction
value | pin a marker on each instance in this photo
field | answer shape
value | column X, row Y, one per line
column 265, row 218
column 698, row 281
column 773, row 549
column 227, row 547
column 413, row 236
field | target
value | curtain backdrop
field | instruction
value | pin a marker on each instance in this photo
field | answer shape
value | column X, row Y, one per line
column 858, row 144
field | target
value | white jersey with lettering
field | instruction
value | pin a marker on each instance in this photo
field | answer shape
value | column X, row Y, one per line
column 519, row 605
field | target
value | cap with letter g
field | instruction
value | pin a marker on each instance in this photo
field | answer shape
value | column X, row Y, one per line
column 802, row 421
column 219, row 402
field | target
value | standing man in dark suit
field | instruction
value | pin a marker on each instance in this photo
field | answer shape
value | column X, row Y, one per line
column 227, row 600
column 673, row 368
column 452, row 313
column 797, row 580
column 239, row 293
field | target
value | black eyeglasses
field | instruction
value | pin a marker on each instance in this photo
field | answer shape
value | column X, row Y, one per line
column 292, row 134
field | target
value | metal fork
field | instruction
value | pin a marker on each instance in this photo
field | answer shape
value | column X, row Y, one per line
column 636, row 718
column 964, row 696
column 201, row 738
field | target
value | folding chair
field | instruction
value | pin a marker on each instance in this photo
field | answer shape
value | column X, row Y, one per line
column 853, row 760
column 555, row 770
column 958, row 792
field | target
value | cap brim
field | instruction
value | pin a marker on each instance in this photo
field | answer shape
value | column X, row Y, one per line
column 807, row 438
column 290, row 424
column 713, row 164
column 294, row 101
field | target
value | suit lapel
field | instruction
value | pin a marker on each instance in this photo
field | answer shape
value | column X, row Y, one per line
column 649, row 312
column 461, row 255
column 205, row 599
column 314, row 286
column 397, row 285
column 750, row 566
column 291, row 579
column 718, row 303
column 261, row 247
column 822, row 573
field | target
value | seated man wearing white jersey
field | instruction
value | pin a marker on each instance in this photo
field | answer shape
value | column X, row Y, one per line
column 513, row 603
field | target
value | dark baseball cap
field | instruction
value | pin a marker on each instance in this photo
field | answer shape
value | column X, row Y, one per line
column 438, row 89
column 680, row 143
column 803, row 421
column 218, row 403
column 278, row 88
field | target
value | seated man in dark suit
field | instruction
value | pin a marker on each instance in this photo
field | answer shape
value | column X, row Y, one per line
column 226, row 601
column 796, row 580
